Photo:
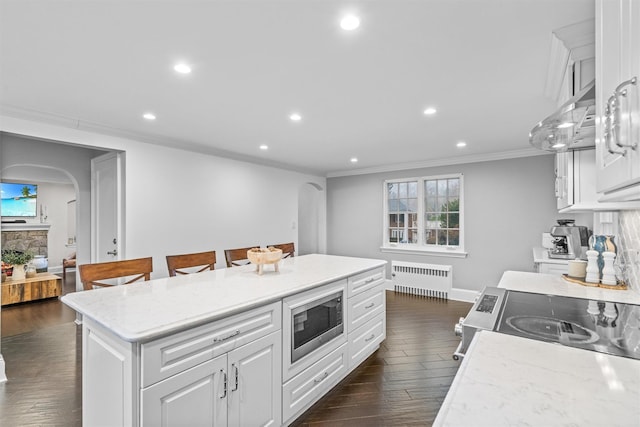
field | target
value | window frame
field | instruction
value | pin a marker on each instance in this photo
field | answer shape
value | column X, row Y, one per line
column 422, row 247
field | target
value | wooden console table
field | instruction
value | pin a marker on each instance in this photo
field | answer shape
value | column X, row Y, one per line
column 43, row 285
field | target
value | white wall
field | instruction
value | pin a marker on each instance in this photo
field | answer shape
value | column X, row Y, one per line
column 508, row 205
column 179, row 201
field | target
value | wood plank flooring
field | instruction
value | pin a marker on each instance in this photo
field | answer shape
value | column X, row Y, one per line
column 402, row 384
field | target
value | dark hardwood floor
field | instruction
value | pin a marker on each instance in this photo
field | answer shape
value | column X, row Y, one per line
column 402, row 384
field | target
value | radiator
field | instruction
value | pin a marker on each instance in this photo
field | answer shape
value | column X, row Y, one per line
column 430, row 280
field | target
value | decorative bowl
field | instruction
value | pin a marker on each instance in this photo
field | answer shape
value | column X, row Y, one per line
column 261, row 256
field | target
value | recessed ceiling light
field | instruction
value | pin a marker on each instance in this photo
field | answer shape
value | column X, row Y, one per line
column 149, row 116
column 354, row 160
column 461, row 144
column 565, row 125
column 264, row 147
column 182, row 68
column 350, row 22
column 429, row 111
column 295, row 117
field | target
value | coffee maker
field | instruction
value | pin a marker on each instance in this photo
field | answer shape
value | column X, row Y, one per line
column 569, row 241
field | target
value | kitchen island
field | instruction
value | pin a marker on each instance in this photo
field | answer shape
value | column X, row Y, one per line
column 210, row 348
column 506, row 380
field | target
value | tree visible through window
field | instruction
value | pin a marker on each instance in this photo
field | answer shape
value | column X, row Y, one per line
column 442, row 201
column 424, row 212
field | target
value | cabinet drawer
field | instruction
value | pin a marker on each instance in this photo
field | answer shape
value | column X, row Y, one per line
column 364, row 340
column 365, row 280
column 304, row 389
column 170, row 355
column 365, row 306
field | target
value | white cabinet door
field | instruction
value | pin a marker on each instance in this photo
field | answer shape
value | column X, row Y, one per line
column 195, row 397
column 618, row 61
column 255, row 380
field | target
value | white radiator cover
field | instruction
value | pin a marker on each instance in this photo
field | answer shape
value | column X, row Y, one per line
column 430, row 280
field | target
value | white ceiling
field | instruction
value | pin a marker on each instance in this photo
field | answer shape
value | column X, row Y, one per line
column 101, row 64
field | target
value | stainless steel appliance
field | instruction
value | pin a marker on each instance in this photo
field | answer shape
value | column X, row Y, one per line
column 602, row 326
column 316, row 323
column 570, row 241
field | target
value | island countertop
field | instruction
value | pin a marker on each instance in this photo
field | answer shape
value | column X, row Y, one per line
column 143, row 311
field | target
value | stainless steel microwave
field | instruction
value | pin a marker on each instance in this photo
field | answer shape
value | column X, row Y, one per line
column 316, row 323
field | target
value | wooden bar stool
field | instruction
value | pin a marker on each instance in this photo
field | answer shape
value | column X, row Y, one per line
column 236, row 257
column 177, row 263
column 288, row 249
column 140, row 268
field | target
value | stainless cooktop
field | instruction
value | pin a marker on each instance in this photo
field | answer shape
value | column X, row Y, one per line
column 605, row 327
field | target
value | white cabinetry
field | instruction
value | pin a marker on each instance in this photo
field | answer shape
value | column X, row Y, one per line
column 576, row 180
column 618, row 99
column 240, row 388
column 226, row 372
column 576, row 175
column 366, row 315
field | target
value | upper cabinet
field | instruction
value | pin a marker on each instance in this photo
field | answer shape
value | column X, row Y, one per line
column 618, row 99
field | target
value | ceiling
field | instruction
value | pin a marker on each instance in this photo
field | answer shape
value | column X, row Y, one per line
column 100, row 64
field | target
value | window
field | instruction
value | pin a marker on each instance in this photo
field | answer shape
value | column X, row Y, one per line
column 424, row 215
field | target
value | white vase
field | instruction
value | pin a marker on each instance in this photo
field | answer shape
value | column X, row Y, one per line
column 18, row 272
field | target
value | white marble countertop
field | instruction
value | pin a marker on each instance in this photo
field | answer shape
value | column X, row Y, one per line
column 506, row 380
column 510, row 381
column 554, row 284
column 145, row 310
column 542, row 255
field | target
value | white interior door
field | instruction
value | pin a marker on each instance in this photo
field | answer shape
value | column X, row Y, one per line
column 106, row 208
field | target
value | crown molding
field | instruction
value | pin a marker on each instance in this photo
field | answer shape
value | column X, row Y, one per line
column 473, row 158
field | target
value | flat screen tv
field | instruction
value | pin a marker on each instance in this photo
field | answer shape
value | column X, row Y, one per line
column 18, row 200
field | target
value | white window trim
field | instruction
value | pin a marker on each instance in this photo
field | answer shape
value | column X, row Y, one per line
column 422, row 249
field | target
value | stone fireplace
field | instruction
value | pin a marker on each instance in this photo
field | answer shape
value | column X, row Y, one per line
column 26, row 237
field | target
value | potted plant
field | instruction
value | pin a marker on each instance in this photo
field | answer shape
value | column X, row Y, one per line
column 17, row 259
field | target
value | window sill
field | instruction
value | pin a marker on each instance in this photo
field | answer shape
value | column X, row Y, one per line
column 424, row 251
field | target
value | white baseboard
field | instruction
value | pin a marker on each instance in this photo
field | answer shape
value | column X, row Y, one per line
column 456, row 294
column 3, row 376
column 388, row 285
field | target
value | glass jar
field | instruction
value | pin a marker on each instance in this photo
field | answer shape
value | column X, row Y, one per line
column 30, row 270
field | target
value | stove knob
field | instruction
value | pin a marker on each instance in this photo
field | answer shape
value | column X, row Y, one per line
column 457, row 329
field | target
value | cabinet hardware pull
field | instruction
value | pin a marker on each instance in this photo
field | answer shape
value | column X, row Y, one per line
column 621, row 92
column 369, row 280
column 113, row 252
column 369, row 306
column 224, row 394
column 236, row 375
column 609, row 126
column 227, row 337
column 322, row 378
column 370, row 338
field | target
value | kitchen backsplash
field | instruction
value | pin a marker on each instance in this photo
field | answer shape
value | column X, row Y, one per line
column 629, row 222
